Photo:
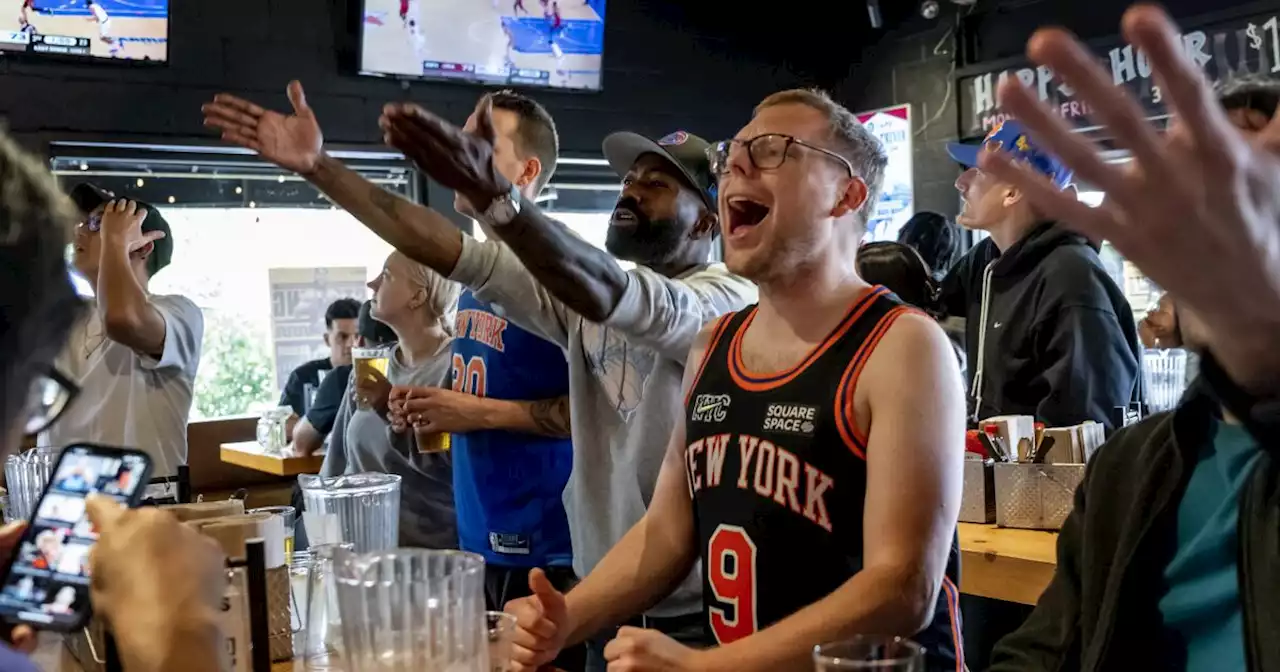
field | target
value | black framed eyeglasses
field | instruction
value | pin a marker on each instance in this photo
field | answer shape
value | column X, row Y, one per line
column 766, row 152
column 50, row 394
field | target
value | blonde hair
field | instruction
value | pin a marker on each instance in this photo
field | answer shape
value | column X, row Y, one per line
column 442, row 294
column 852, row 140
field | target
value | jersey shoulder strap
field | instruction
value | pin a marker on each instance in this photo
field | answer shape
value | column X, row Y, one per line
column 718, row 345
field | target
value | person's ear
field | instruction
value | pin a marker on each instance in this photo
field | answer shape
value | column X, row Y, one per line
column 145, row 251
column 1012, row 196
column 707, row 226
column 852, row 198
column 532, row 169
column 419, row 298
column 326, row 340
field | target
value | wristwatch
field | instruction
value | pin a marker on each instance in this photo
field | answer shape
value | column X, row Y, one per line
column 502, row 209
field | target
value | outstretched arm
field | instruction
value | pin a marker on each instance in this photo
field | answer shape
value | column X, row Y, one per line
column 294, row 142
column 587, row 279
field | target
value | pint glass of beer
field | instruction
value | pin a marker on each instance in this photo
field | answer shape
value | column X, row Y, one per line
column 431, row 442
column 366, row 361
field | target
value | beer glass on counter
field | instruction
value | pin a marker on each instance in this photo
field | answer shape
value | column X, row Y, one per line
column 869, row 652
column 365, row 362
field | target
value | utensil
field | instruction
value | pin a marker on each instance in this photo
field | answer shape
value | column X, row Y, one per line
column 1042, row 451
column 870, row 652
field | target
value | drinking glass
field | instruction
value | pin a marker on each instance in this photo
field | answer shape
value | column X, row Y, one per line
column 413, row 609
column 365, row 361
column 363, row 509
column 322, row 639
column 870, row 652
column 26, row 475
column 290, row 516
column 501, row 627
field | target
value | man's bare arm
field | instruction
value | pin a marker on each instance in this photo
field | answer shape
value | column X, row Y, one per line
column 420, row 233
column 128, row 318
column 548, row 417
column 306, row 438
column 911, row 390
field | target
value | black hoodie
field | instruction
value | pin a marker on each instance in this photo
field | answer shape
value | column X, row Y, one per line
column 1060, row 341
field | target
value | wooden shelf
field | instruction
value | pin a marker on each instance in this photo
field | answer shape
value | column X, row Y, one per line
column 248, row 454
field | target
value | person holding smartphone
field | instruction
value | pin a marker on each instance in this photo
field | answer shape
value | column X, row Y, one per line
column 158, row 582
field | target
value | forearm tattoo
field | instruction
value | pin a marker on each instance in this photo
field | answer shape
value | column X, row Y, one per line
column 551, row 416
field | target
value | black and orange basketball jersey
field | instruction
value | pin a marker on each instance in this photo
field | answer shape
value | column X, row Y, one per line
column 778, row 475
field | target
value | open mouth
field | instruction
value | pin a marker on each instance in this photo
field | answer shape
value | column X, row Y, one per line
column 745, row 212
column 624, row 217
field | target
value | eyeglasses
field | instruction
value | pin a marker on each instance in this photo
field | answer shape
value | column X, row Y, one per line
column 93, row 222
column 50, row 394
column 766, row 152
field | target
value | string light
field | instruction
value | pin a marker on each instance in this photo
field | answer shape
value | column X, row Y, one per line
column 173, row 200
column 141, row 182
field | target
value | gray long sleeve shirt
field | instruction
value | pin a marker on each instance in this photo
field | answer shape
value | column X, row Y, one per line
column 361, row 441
column 624, row 386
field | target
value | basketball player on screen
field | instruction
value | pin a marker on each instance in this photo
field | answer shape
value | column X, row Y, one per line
column 24, row 18
column 817, row 472
column 518, row 7
column 555, row 26
column 99, row 14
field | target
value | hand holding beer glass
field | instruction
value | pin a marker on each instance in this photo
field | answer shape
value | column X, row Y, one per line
column 418, row 407
column 369, row 365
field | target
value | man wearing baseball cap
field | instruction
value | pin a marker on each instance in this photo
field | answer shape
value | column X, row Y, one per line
column 1048, row 332
column 135, row 355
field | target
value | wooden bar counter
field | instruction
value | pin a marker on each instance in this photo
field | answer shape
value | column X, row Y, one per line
column 249, row 454
column 1006, row 564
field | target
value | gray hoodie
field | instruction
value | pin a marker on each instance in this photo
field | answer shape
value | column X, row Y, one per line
column 361, row 441
column 624, row 386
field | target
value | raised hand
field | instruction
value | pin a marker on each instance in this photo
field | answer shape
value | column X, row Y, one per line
column 293, row 142
column 458, row 160
column 122, row 225
column 542, row 624
column 1198, row 210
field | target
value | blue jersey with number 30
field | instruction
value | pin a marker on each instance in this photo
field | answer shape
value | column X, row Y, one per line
column 508, row 485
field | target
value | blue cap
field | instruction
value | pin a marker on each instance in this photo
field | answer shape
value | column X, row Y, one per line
column 1013, row 138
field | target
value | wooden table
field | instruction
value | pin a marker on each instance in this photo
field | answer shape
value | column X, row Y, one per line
column 1006, row 564
column 248, row 454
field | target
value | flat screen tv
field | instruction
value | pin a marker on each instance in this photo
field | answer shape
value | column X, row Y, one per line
column 541, row 43
column 134, row 30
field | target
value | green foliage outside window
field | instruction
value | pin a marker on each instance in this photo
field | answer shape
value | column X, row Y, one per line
column 235, row 377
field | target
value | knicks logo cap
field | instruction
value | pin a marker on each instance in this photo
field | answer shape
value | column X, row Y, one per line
column 684, row 151
column 1011, row 137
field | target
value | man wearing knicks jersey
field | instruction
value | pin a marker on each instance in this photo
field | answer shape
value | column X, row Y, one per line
column 818, row 471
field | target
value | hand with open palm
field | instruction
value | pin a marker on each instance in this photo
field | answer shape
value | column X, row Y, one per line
column 293, row 142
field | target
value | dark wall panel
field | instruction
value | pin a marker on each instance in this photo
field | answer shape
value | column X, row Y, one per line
column 659, row 75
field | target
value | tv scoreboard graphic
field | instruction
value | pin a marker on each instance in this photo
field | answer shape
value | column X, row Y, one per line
column 17, row 40
column 480, row 72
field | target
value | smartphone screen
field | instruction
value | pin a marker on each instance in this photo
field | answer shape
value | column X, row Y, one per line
column 48, row 581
